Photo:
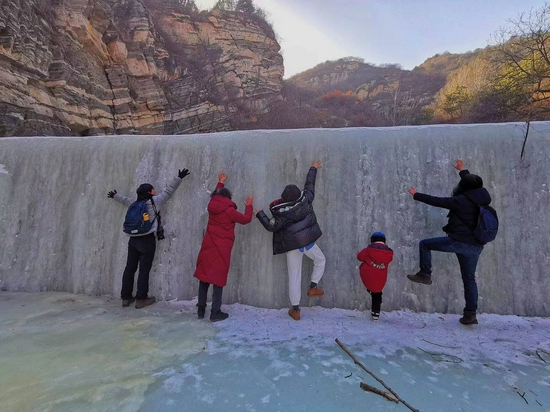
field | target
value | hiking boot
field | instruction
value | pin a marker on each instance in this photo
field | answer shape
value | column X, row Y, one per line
column 200, row 311
column 315, row 292
column 141, row 303
column 127, row 302
column 375, row 316
column 218, row 315
column 419, row 277
column 294, row 314
column 469, row 318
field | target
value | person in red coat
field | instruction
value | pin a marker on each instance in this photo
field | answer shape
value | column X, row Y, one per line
column 376, row 258
column 215, row 254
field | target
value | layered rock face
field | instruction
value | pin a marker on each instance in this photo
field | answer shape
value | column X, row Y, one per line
column 92, row 67
column 60, row 232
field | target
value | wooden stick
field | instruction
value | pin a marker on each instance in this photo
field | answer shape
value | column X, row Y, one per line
column 523, row 396
column 538, row 354
column 372, row 389
column 375, row 377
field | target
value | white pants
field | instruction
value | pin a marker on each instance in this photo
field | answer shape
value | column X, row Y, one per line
column 294, row 264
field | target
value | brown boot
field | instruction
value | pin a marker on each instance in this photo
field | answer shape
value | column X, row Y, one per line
column 469, row 318
column 294, row 314
column 420, row 277
column 315, row 292
column 141, row 303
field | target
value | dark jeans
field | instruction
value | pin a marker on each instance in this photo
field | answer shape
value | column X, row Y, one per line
column 467, row 255
column 141, row 251
column 376, row 301
column 216, row 296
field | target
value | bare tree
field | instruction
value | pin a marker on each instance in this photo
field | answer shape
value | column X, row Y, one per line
column 523, row 50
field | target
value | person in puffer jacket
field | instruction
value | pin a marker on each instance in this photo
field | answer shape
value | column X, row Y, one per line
column 295, row 231
column 215, row 254
column 463, row 214
column 376, row 258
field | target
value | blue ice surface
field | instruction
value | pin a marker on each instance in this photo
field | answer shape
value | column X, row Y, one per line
column 64, row 352
column 261, row 360
column 327, row 381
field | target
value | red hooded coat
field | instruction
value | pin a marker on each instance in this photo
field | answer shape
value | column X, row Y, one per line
column 215, row 254
column 374, row 270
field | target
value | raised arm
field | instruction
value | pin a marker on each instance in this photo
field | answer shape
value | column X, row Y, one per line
column 245, row 218
column 126, row 201
column 309, row 187
column 169, row 190
column 450, row 203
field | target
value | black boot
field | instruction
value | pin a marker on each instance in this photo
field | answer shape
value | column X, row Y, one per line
column 200, row 311
column 217, row 315
column 469, row 318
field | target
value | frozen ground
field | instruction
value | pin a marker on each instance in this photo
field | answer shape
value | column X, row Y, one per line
column 64, row 352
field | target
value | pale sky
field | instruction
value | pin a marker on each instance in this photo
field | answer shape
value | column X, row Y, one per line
column 383, row 31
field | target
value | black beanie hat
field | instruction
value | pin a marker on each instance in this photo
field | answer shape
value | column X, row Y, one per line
column 144, row 191
column 291, row 193
column 470, row 182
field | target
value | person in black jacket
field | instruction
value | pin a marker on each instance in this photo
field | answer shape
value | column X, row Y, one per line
column 295, row 231
column 463, row 213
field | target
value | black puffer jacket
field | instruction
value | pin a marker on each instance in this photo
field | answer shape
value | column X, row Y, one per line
column 294, row 224
column 463, row 211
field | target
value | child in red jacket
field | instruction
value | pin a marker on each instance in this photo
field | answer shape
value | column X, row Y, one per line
column 374, row 270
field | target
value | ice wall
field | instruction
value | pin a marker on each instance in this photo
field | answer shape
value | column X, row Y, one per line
column 60, row 232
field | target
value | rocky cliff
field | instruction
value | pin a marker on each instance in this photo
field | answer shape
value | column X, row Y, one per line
column 92, row 67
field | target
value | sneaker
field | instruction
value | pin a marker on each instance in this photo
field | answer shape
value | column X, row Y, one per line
column 216, row 316
column 469, row 318
column 127, row 302
column 141, row 303
column 315, row 292
column 200, row 312
column 294, row 314
column 375, row 316
column 419, row 277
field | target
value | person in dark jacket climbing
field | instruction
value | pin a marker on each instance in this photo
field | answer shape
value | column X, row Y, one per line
column 295, row 231
column 375, row 259
column 463, row 213
column 215, row 254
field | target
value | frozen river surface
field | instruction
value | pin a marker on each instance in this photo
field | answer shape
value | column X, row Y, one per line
column 64, row 352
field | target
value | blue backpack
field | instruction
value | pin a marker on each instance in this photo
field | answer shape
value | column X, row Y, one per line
column 487, row 224
column 137, row 220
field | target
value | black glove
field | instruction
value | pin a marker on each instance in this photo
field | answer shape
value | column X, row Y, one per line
column 111, row 194
column 183, row 173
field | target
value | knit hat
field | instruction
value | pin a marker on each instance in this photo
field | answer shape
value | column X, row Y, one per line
column 470, row 182
column 144, row 191
column 291, row 193
column 378, row 237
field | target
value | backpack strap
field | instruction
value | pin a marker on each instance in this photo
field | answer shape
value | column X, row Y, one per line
column 157, row 213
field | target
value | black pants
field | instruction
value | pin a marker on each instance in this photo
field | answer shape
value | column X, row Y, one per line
column 376, row 301
column 141, row 251
column 216, row 296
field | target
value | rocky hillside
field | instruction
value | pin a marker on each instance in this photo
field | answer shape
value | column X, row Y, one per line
column 366, row 80
column 92, row 67
column 350, row 92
